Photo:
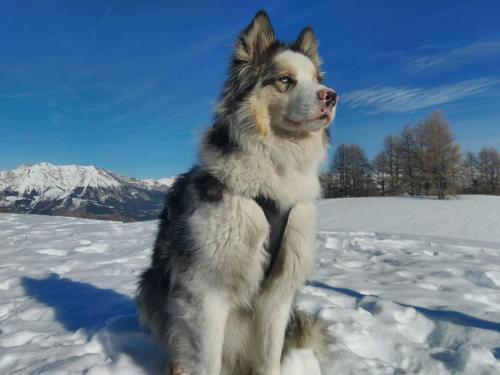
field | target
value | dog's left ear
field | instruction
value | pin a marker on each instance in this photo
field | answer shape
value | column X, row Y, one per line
column 308, row 45
column 255, row 40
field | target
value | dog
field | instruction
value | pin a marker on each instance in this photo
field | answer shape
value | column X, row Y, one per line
column 216, row 296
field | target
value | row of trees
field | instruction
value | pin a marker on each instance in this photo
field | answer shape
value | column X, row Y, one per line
column 421, row 160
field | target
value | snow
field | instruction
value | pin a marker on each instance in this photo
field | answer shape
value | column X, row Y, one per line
column 167, row 181
column 402, row 291
column 53, row 179
column 470, row 217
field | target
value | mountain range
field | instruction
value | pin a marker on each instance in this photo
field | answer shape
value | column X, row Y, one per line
column 80, row 191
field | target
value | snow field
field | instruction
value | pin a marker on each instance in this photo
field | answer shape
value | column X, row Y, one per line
column 395, row 303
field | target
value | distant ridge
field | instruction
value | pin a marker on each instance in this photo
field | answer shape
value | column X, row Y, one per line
column 80, row 191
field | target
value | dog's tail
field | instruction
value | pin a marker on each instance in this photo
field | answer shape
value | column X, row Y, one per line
column 306, row 331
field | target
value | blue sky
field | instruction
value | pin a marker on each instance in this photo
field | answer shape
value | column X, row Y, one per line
column 129, row 85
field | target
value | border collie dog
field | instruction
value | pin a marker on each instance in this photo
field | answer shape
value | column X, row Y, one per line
column 237, row 235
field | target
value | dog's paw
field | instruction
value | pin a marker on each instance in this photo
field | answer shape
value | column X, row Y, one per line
column 175, row 369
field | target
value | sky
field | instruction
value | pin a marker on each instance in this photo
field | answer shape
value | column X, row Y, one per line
column 130, row 85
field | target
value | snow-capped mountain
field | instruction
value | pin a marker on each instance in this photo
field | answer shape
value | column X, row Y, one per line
column 82, row 191
column 153, row 184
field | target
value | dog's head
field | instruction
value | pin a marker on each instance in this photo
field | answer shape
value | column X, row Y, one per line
column 280, row 84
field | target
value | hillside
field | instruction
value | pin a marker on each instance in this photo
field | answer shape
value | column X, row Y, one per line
column 396, row 301
column 80, row 191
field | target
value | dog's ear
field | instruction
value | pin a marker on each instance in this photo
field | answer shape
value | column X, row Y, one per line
column 308, row 45
column 255, row 40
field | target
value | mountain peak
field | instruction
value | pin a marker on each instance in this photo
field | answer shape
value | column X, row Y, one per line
column 29, row 187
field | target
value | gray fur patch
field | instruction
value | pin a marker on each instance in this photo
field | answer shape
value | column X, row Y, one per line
column 209, row 188
column 306, row 331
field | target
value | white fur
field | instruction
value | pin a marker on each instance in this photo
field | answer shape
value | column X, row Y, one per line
column 303, row 106
column 302, row 65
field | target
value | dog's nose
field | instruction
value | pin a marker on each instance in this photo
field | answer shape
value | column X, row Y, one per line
column 327, row 95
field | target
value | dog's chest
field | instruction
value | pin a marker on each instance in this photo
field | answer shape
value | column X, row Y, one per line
column 233, row 238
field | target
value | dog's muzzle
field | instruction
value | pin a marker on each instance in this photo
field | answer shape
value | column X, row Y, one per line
column 328, row 100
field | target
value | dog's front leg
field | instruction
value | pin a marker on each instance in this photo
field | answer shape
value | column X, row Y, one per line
column 200, row 352
column 212, row 321
column 272, row 316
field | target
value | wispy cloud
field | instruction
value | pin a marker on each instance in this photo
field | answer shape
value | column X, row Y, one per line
column 458, row 56
column 378, row 99
column 19, row 95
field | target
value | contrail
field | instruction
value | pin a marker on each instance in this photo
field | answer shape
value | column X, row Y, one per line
column 105, row 14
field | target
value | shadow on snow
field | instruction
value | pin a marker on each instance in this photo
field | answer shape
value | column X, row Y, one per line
column 112, row 317
column 450, row 358
column 450, row 316
column 109, row 316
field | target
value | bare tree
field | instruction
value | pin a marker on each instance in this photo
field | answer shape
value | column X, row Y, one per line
column 350, row 172
column 489, row 171
column 407, row 151
column 470, row 174
column 441, row 154
column 328, row 186
column 391, row 150
column 339, row 170
column 360, row 170
column 422, row 184
column 379, row 168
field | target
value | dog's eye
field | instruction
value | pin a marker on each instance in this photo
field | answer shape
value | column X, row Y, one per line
column 285, row 79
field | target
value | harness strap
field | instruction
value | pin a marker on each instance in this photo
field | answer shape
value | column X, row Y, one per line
column 278, row 221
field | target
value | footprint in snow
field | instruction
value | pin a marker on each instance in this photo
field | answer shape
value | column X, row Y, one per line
column 93, row 248
column 480, row 279
column 17, row 338
column 53, row 252
column 428, row 286
column 5, row 285
column 333, row 243
column 23, row 226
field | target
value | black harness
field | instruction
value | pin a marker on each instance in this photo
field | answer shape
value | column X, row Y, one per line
column 278, row 221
